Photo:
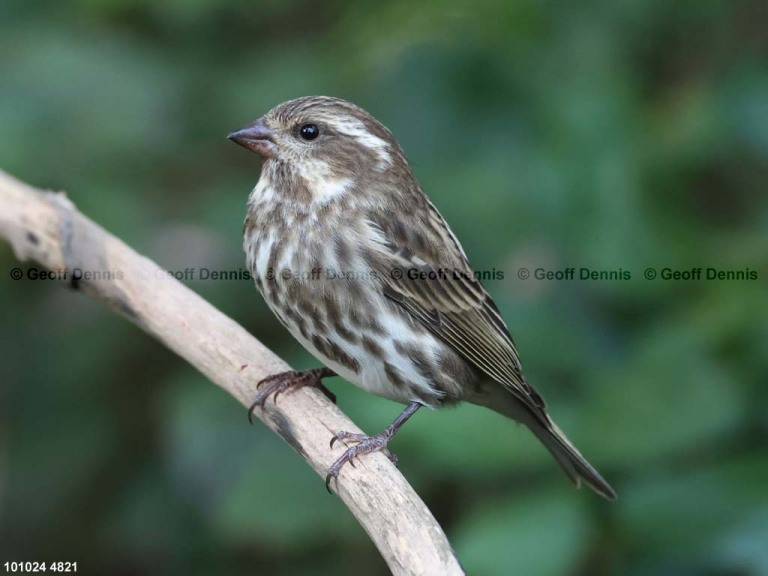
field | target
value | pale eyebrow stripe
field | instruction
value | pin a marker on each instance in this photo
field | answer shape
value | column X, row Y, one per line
column 357, row 130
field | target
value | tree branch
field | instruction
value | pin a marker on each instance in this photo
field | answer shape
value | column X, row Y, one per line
column 46, row 227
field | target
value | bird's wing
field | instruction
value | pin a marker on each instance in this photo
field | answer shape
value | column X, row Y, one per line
column 434, row 283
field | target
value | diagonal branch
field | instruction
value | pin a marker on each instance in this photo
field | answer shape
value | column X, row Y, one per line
column 46, row 227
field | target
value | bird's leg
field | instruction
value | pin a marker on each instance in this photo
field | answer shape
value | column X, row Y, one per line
column 366, row 444
column 279, row 383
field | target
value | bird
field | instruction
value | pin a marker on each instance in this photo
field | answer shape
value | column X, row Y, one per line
column 362, row 269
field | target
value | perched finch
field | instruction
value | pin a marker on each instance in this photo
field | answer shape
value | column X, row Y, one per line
column 361, row 268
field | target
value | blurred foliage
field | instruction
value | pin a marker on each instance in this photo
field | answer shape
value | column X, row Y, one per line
column 602, row 134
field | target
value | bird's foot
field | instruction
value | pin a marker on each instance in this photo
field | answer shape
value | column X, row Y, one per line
column 364, row 444
column 276, row 384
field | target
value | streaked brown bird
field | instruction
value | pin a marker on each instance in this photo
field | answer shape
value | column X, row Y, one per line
column 359, row 265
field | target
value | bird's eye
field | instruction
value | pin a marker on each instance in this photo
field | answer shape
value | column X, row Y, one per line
column 309, row 132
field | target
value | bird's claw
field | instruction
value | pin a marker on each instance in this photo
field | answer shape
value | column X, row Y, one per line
column 364, row 445
column 276, row 384
column 351, row 436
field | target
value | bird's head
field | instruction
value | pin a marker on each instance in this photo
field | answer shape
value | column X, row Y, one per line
column 327, row 142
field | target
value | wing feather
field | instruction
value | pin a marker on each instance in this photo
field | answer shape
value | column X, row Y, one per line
column 439, row 290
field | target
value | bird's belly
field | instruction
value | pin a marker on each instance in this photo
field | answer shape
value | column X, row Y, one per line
column 370, row 373
column 373, row 351
column 340, row 315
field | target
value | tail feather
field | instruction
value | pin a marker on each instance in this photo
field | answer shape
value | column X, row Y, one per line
column 570, row 459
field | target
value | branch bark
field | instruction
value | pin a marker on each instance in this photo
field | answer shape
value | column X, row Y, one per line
column 47, row 228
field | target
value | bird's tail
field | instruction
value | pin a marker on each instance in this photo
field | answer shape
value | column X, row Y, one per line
column 570, row 459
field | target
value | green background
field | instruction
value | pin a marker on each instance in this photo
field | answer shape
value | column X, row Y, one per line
column 601, row 134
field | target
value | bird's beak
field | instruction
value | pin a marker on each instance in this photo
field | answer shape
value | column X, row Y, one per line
column 256, row 137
